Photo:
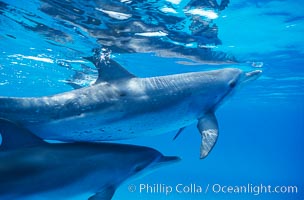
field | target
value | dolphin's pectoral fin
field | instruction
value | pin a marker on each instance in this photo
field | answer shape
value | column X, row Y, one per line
column 179, row 132
column 13, row 136
column 208, row 128
column 104, row 194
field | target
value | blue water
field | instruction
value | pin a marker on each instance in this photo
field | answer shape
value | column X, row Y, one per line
column 43, row 45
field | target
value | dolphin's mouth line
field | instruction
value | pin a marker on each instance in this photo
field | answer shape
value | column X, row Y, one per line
column 169, row 159
column 250, row 76
column 164, row 160
column 255, row 72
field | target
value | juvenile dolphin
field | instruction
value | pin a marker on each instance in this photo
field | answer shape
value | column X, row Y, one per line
column 121, row 106
column 33, row 169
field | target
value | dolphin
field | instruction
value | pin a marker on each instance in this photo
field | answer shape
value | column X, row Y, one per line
column 122, row 106
column 31, row 168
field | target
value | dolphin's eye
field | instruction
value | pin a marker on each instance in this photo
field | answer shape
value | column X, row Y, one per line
column 232, row 84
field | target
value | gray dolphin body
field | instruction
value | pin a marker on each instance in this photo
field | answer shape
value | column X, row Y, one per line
column 33, row 169
column 122, row 106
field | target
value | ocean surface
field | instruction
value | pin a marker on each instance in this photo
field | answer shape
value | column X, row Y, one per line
column 44, row 45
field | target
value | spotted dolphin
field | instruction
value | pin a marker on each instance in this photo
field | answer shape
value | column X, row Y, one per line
column 121, row 106
column 33, row 169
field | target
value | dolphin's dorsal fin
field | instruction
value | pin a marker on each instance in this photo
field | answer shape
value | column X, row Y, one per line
column 108, row 69
column 208, row 128
column 14, row 136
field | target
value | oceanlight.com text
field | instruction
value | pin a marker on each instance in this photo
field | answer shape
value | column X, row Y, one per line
column 254, row 189
column 194, row 188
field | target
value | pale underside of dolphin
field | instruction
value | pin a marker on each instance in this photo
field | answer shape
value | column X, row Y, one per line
column 31, row 169
column 121, row 106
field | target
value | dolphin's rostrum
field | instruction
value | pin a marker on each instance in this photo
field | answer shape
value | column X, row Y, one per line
column 33, row 169
column 121, row 106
